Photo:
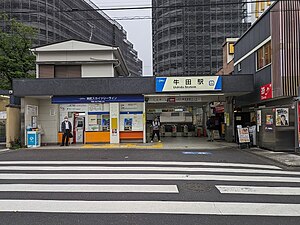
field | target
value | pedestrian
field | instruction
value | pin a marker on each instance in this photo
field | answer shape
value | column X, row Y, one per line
column 156, row 127
column 210, row 129
column 66, row 128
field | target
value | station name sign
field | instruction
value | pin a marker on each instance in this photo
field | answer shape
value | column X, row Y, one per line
column 186, row 84
column 95, row 99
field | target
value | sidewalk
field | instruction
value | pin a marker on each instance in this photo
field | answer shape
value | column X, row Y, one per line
column 288, row 159
column 179, row 143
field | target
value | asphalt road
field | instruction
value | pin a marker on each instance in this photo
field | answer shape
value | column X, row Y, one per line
column 224, row 186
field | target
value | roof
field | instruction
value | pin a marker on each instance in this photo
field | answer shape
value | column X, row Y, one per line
column 73, row 45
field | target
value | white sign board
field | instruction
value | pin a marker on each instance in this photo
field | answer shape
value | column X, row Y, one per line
column 163, row 99
column 3, row 115
column 243, row 134
column 186, row 84
column 32, row 110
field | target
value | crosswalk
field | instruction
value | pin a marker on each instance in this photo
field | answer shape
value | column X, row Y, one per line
column 34, row 186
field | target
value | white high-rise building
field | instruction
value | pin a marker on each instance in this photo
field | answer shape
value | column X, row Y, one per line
column 257, row 8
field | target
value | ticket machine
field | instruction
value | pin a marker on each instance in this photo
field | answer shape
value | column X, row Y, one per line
column 79, row 126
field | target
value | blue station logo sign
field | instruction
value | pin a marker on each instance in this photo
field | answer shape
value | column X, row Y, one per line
column 186, row 84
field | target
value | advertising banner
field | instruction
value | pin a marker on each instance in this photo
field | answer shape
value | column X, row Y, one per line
column 266, row 92
column 186, row 84
column 96, row 99
column 243, row 134
column 282, row 117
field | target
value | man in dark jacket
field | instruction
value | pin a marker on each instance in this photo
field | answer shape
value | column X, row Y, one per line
column 66, row 128
column 156, row 127
column 210, row 129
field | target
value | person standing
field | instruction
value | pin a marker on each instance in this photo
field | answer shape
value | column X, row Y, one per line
column 210, row 128
column 156, row 127
column 66, row 128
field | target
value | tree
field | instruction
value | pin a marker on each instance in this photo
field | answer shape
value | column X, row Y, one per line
column 16, row 59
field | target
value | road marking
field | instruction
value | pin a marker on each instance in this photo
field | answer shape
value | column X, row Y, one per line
column 151, row 207
column 197, row 153
column 173, row 163
column 213, row 177
column 254, row 190
column 164, row 169
column 88, row 188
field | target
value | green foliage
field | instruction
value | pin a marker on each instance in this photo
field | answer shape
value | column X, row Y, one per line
column 16, row 144
column 16, row 60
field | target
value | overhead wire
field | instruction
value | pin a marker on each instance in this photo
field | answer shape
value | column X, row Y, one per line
column 153, row 7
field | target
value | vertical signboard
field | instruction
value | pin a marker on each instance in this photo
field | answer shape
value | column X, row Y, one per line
column 114, row 123
column 258, row 119
column 266, row 92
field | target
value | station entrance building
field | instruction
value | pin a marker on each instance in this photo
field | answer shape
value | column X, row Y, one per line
column 114, row 110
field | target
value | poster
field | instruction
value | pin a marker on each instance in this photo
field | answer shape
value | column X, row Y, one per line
column 227, row 119
column 253, row 117
column 282, row 117
column 258, row 118
column 269, row 119
column 243, row 134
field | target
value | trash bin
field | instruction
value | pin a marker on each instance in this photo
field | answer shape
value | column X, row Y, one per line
column 33, row 139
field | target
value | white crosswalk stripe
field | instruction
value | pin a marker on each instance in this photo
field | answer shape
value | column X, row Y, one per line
column 166, row 169
column 158, row 207
column 155, row 178
column 88, row 188
column 158, row 163
column 258, row 190
column 140, row 176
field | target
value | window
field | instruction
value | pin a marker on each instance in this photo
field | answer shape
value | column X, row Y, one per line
column 231, row 48
column 264, row 56
column 239, row 67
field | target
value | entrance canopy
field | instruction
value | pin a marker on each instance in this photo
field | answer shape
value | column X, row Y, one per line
column 233, row 85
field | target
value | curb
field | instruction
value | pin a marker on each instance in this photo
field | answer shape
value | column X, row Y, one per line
column 282, row 162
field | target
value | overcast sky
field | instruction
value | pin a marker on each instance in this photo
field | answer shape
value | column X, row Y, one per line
column 139, row 32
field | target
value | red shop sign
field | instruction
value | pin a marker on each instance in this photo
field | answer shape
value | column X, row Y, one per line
column 266, row 92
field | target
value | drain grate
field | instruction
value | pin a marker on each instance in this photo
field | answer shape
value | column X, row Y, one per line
column 197, row 187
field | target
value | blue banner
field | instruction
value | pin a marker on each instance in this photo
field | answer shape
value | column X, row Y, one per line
column 96, row 99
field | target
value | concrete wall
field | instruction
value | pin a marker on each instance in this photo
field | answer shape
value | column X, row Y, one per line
column 13, row 127
column 27, row 116
column 100, row 70
column 68, row 56
column 48, row 119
